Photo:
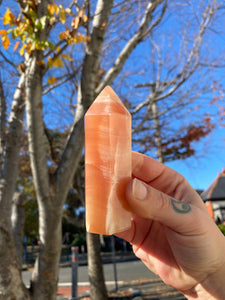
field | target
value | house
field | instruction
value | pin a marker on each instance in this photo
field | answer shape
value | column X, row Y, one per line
column 214, row 198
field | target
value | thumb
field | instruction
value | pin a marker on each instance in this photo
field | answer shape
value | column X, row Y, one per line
column 147, row 202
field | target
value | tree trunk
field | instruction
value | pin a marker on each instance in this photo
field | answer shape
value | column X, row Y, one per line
column 158, row 138
column 45, row 275
column 95, row 270
column 2, row 123
column 11, row 284
column 18, row 218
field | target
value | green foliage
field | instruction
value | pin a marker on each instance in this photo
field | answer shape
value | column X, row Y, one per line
column 79, row 239
column 69, row 227
column 222, row 228
column 31, row 218
column 76, row 234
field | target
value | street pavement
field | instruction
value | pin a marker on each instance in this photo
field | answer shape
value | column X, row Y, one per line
column 133, row 280
column 141, row 289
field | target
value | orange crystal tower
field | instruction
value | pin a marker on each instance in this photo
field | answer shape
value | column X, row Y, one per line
column 107, row 164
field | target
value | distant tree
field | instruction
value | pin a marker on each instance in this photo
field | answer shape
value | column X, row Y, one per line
column 218, row 101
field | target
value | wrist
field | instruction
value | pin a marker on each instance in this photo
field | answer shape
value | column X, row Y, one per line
column 211, row 288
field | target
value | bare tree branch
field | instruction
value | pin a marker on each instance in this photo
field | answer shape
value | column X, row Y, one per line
column 143, row 30
column 60, row 80
column 165, row 89
column 8, row 61
column 22, row 4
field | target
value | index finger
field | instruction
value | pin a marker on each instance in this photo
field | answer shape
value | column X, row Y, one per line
column 161, row 177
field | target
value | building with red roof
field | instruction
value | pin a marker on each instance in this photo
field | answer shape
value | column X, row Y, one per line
column 214, row 198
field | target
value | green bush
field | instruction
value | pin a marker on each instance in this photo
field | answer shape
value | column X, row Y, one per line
column 79, row 240
column 222, row 228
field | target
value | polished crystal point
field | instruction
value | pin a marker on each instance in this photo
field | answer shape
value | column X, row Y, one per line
column 107, row 164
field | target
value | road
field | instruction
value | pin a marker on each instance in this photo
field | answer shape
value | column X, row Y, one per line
column 130, row 270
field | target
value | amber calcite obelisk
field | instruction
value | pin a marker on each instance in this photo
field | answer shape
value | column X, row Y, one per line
column 107, row 164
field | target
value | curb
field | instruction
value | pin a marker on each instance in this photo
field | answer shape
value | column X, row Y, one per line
column 126, row 294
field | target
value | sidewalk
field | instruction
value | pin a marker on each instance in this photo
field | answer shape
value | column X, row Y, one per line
column 144, row 289
column 141, row 289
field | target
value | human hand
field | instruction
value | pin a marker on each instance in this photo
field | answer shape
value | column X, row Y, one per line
column 172, row 232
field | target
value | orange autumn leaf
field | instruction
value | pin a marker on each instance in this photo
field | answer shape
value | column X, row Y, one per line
column 81, row 13
column 82, row 16
column 75, row 22
column 53, row 9
column 3, row 31
column 16, row 46
column 5, row 41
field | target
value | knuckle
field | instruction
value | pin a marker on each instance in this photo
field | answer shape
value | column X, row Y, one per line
column 163, row 202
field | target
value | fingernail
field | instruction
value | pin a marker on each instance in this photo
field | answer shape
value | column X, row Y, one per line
column 139, row 189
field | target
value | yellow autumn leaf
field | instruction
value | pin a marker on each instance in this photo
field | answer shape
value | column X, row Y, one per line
column 8, row 18
column 64, row 35
column 56, row 8
column 49, row 63
column 51, row 80
column 22, row 49
column 5, row 41
column 57, row 62
column 67, row 57
column 62, row 16
column 70, row 41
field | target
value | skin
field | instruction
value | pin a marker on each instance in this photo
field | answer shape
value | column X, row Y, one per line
column 172, row 232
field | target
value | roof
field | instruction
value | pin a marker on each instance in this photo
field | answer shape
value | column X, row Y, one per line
column 216, row 191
